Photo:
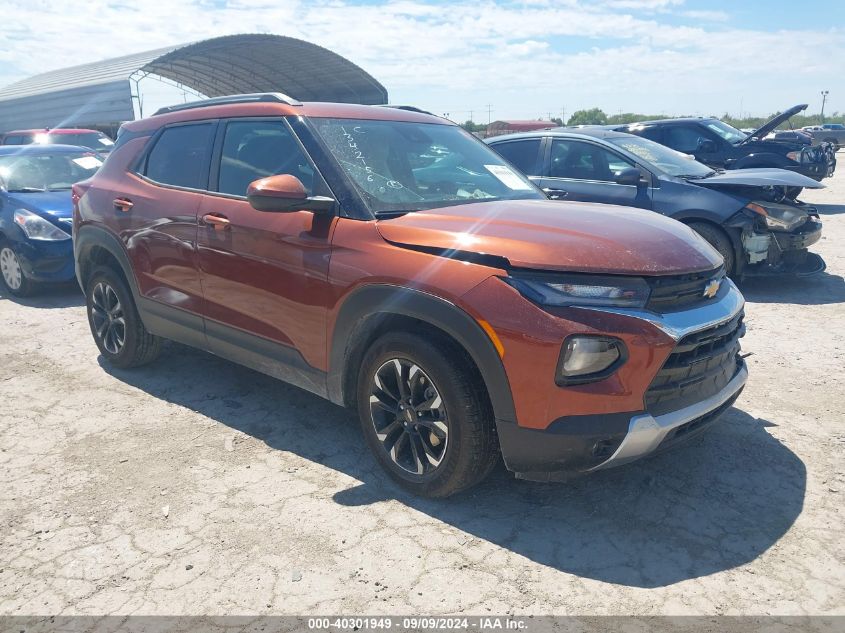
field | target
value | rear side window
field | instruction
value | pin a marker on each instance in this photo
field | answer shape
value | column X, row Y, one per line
column 584, row 161
column 180, row 156
column 521, row 154
column 16, row 140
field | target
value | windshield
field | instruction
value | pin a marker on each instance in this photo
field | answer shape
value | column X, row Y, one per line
column 46, row 172
column 667, row 160
column 405, row 166
column 94, row 140
column 727, row 132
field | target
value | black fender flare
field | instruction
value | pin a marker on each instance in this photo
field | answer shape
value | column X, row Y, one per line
column 89, row 236
column 359, row 308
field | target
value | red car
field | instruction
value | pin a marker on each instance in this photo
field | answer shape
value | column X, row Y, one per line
column 389, row 261
column 80, row 137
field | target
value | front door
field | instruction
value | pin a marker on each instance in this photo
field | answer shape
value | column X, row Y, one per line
column 583, row 171
column 264, row 275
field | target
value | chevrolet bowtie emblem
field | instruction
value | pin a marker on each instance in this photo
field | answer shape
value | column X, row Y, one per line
column 712, row 288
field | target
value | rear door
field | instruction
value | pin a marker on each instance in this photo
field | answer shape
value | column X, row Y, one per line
column 154, row 211
column 577, row 170
column 264, row 275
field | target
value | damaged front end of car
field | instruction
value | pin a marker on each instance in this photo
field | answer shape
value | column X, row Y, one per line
column 776, row 236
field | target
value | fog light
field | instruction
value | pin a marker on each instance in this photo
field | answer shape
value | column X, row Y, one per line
column 589, row 358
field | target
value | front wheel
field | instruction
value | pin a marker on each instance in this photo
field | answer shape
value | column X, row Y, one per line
column 14, row 278
column 115, row 324
column 425, row 414
column 719, row 240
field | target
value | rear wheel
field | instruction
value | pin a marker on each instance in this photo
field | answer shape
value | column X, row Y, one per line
column 719, row 240
column 115, row 324
column 14, row 278
column 425, row 414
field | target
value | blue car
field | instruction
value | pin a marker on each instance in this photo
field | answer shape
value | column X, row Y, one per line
column 36, row 210
column 745, row 214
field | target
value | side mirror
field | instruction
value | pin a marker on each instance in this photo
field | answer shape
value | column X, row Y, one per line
column 285, row 194
column 629, row 176
column 706, row 145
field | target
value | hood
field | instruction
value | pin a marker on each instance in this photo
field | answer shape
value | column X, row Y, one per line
column 772, row 124
column 57, row 204
column 565, row 236
column 762, row 177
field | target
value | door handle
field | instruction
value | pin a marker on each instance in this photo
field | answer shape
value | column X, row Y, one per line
column 219, row 222
column 123, row 204
column 555, row 194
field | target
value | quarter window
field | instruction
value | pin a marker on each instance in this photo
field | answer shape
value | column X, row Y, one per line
column 584, row 161
column 257, row 149
column 521, row 154
column 180, row 156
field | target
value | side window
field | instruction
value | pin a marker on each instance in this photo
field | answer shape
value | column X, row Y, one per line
column 521, row 154
column 257, row 149
column 584, row 161
column 683, row 138
column 13, row 140
column 180, row 156
column 653, row 133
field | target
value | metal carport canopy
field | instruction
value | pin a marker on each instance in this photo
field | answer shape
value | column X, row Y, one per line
column 101, row 93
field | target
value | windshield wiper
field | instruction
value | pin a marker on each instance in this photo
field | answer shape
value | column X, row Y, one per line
column 697, row 176
column 27, row 190
column 393, row 213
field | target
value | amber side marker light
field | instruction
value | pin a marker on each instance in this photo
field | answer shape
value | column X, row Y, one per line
column 493, row 337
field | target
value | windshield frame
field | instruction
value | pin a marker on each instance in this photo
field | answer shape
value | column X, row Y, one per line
column 340, row 180
column 683, row 163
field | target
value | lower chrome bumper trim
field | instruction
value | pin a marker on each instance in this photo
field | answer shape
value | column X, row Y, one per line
column 646, row 432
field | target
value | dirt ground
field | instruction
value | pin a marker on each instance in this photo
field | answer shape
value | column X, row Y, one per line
column 195, row 486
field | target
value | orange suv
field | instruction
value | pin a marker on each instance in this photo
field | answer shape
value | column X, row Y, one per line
column 388, row 261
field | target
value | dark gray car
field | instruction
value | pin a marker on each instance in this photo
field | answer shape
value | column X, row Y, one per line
column 744, row 213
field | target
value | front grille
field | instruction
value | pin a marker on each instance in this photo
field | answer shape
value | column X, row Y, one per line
column 700, row 366
column 679, row 292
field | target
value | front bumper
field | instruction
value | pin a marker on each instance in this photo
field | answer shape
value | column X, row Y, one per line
column 783, row 253
column 583, row 443
column 46, row 262
column 646, row 434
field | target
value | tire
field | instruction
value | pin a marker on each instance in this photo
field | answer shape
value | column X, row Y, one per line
column 443, row 437
column 719, row 240
column 12, row 275
column 115, row 324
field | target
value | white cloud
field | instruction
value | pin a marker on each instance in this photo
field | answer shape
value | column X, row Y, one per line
column 521, row 56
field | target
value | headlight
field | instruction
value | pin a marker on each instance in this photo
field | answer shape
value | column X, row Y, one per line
column 586, row 358
column 581, row 289
column 780, row 217
column 796, row 156
column 37, row 228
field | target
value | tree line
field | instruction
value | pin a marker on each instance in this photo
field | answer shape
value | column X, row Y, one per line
column 596, row 116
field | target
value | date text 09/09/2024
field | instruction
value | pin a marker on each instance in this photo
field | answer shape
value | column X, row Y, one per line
column 416, row 623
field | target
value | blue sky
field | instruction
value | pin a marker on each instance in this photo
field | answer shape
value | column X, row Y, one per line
column 524, row 59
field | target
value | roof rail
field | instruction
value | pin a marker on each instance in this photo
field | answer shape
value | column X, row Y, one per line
column 408, row 108
column 258, row 97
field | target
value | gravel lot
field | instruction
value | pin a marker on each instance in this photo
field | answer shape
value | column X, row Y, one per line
column 194, row 486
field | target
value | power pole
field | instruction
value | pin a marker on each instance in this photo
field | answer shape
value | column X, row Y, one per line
column 489, row 113
column 824, row 98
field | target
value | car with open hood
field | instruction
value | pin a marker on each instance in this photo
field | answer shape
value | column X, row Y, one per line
column 389, row 261
column 35, row 213
column 717, row 144
column 745, row 214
